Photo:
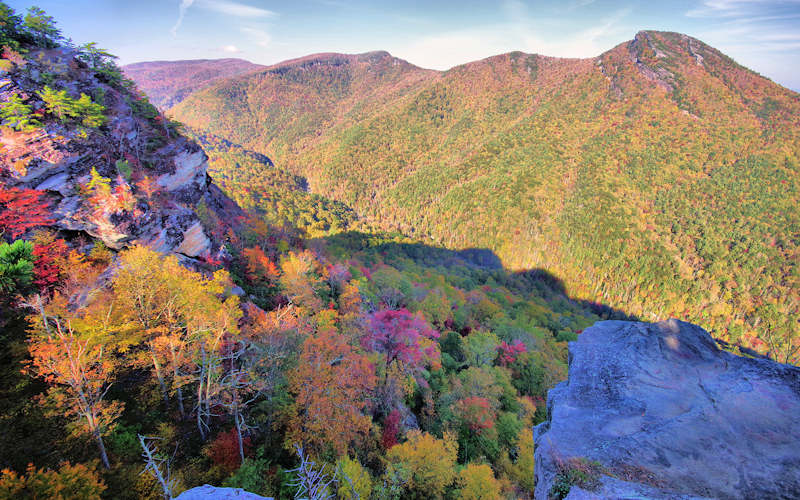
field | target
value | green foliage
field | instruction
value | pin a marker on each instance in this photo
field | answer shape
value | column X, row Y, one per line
column 576, row 471
column 252, row 476
column 42, row 27
column 16, row 267
column 124, row 168
column 65, row 108
column 16, row 114
column 631, row 195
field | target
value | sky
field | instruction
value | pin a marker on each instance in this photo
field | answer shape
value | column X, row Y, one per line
column 763, row 35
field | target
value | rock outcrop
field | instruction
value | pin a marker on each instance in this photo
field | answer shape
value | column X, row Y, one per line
column 156, row 178
column 207, row 492
column 659, row 411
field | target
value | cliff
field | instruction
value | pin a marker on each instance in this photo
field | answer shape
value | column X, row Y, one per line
column 659, row 411
column 132, row 179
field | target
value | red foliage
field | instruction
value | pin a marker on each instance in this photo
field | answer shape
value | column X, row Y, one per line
column 391, row 428
column 508, row 352
column 21, row 210
column 47, row 272
column 224, row 450
column 398, row 334
column 476, row 412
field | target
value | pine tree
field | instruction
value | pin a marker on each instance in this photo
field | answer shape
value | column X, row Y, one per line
column 17, row 115
column 59, row 103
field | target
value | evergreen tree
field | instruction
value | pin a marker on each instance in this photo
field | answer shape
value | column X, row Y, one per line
column 17, row 115
column 16, row 267
column 42, row 27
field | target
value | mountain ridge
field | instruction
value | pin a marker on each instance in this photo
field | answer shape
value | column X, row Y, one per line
column 621, row 173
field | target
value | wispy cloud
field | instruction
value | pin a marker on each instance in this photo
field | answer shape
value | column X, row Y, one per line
column 257, row 35
column 521, row 32
column 231, row 49
column 737, row 8
column 184, row 6
column 760, row 32
column 235, row 8
column 226, row 7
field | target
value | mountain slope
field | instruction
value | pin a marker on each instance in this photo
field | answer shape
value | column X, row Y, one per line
column 660, row 177
column 169, row 82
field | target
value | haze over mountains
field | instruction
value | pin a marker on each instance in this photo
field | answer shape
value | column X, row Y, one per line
column 659, row 177
column 168, row 82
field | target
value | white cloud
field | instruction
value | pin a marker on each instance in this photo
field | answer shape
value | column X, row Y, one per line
column 185, row 4
column 231, row 49
column 235, row 8
column 227, row 7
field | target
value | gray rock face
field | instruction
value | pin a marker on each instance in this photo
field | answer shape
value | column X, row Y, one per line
column 207, row 492
column 661, row 412
column 153, row 201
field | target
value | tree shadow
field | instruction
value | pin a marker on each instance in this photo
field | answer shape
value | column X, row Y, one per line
column 481, row 261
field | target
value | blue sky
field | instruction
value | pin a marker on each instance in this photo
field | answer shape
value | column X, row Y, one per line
column 764, row 35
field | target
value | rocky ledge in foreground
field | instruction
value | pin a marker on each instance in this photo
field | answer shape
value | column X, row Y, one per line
column 659, row 411
column 207, row 492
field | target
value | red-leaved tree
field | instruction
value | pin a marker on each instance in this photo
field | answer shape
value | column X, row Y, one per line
column 21, row 210
column 402, row 337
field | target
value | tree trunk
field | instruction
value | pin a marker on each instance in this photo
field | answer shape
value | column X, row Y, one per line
column 200, row 410
column 239, row 433
column 160, row 378
column 180, row 403
column 102, row 447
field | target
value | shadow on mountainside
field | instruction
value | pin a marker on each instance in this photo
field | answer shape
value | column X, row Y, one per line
column 481, row 263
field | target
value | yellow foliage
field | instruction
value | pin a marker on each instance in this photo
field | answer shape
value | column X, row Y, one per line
column 477, row 482
column 426, row 463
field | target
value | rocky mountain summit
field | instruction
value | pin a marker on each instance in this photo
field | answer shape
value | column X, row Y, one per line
column 659, row 411
column 129, row 178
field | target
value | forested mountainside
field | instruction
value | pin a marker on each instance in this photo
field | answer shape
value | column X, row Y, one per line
column 659, row 177
column 168, row 82
column 155, row 336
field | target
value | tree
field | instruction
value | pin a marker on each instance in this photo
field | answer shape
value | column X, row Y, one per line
column 303, row 277
column 523, row 466
column 21, row 210
column 311, row 482
column 80, row 376
column 10, row 24
column 42, row 27
column 477, row 482
column 58, row 103
column 90, row 113
column 96, row 57
column 17, row 115
column 157, row 466
column 425, row 463
column 69, row 482
column 16, row 267
column 481, row 348
column 332, row 384
column 355, row 482
column 50, row 255
column 401, row 336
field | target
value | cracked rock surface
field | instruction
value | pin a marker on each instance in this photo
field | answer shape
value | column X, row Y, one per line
column 667, row 414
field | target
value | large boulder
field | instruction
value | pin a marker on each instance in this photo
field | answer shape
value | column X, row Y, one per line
column 207, row 492
column 659, row 411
